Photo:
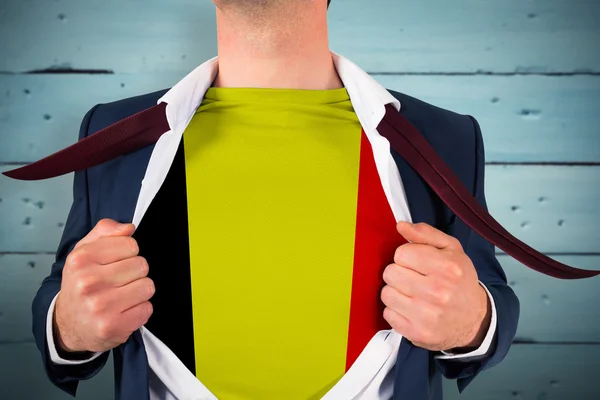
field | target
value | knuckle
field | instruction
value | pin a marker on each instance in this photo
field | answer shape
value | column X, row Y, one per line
column 147, row 310
column 458, row 272
column 143, row 265
column 84, row 285
column 388, row 315
column 148, row 288
column 104, row 223
column 104, row 329
column 404, row 251
column 435, row 313
column 441, row 294
column 422, row 227
column 132, row 245
column 388, row 273
column 387, row 295
column 392, row 320
column 75, row 259
column 454, row 269
column 95, row 305
column 454, row 241
column 398, row 254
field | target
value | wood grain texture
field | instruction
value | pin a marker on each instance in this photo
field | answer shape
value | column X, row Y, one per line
column 20, row 277
column 552, row 310
column 529, row 372
column 554, row 209
column 23, row 377
column 537, row 372
column 133, row 36
column 555, row 310
column 523, row 119
column 528, row 71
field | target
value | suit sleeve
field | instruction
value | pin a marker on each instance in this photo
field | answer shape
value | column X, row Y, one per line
column 491, row 274
column 66, row 377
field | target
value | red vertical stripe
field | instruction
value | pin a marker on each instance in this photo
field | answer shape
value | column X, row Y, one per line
column 376, row 240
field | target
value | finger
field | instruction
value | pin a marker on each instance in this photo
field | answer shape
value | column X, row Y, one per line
column 398, row 322
column 400, row 303
column 421, row 258
column 404, row 280
column 133, row 318
column 122, row 272
column 132, row 294
column 426, row 234
column 106, row 227
column 108, row 250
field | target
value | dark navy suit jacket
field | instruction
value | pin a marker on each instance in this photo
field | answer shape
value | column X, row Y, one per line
column 110, row 190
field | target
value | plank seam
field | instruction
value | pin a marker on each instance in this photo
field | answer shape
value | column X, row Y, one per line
column 61, row 70
column 488, row 73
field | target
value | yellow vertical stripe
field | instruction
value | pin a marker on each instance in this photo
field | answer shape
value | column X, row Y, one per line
column 272, row 183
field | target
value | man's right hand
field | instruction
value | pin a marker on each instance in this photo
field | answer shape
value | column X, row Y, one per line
column 104, row 291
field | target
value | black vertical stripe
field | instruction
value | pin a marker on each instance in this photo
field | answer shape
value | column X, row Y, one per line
column 164, row 241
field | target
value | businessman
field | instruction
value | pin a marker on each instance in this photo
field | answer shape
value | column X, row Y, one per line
column 271, row 244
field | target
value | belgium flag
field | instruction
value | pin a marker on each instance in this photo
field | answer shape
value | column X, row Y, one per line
column 266, row 338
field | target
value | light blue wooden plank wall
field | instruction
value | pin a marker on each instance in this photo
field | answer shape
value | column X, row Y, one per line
column 529, row 71
column 458, row 36
column 524, row 118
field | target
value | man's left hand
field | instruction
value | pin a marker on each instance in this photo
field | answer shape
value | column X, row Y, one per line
column 433, row 296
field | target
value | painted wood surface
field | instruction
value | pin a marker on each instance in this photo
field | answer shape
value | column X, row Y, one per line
column 555, row 310
column 552, row 310
column 529, row 71
column 133, row 36
column 552, row 208
column 537, row 372
column 529, row 372
column 23, row 377
column 523, row 118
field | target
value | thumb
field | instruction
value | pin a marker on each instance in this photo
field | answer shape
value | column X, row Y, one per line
column 423, row 233
column 107, row 227
column 407, row 231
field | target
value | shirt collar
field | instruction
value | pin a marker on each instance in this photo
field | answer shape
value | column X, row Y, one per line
column 367, row 96
column 368, row 100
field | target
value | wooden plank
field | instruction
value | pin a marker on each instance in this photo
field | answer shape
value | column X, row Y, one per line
column 537, row 372
column 523, row 119
column 20, row 277
column 529, row 372
column 33, row 213
column 23, row 377
column 40, row 114
column 551, row 208
column 556, row 310
column 552, row 310
column 554, row 209
column 380, row 35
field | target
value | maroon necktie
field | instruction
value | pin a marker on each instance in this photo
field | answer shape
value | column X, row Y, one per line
column 146, row 127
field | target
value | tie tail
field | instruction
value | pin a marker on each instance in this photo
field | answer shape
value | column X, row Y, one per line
column 412, row 146
column 551, row 267
column 132, row 133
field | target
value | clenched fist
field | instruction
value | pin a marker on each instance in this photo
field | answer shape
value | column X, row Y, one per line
column 104, row 291
column 433, row 295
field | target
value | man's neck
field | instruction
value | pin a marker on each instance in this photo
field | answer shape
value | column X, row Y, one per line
column 264, row 52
